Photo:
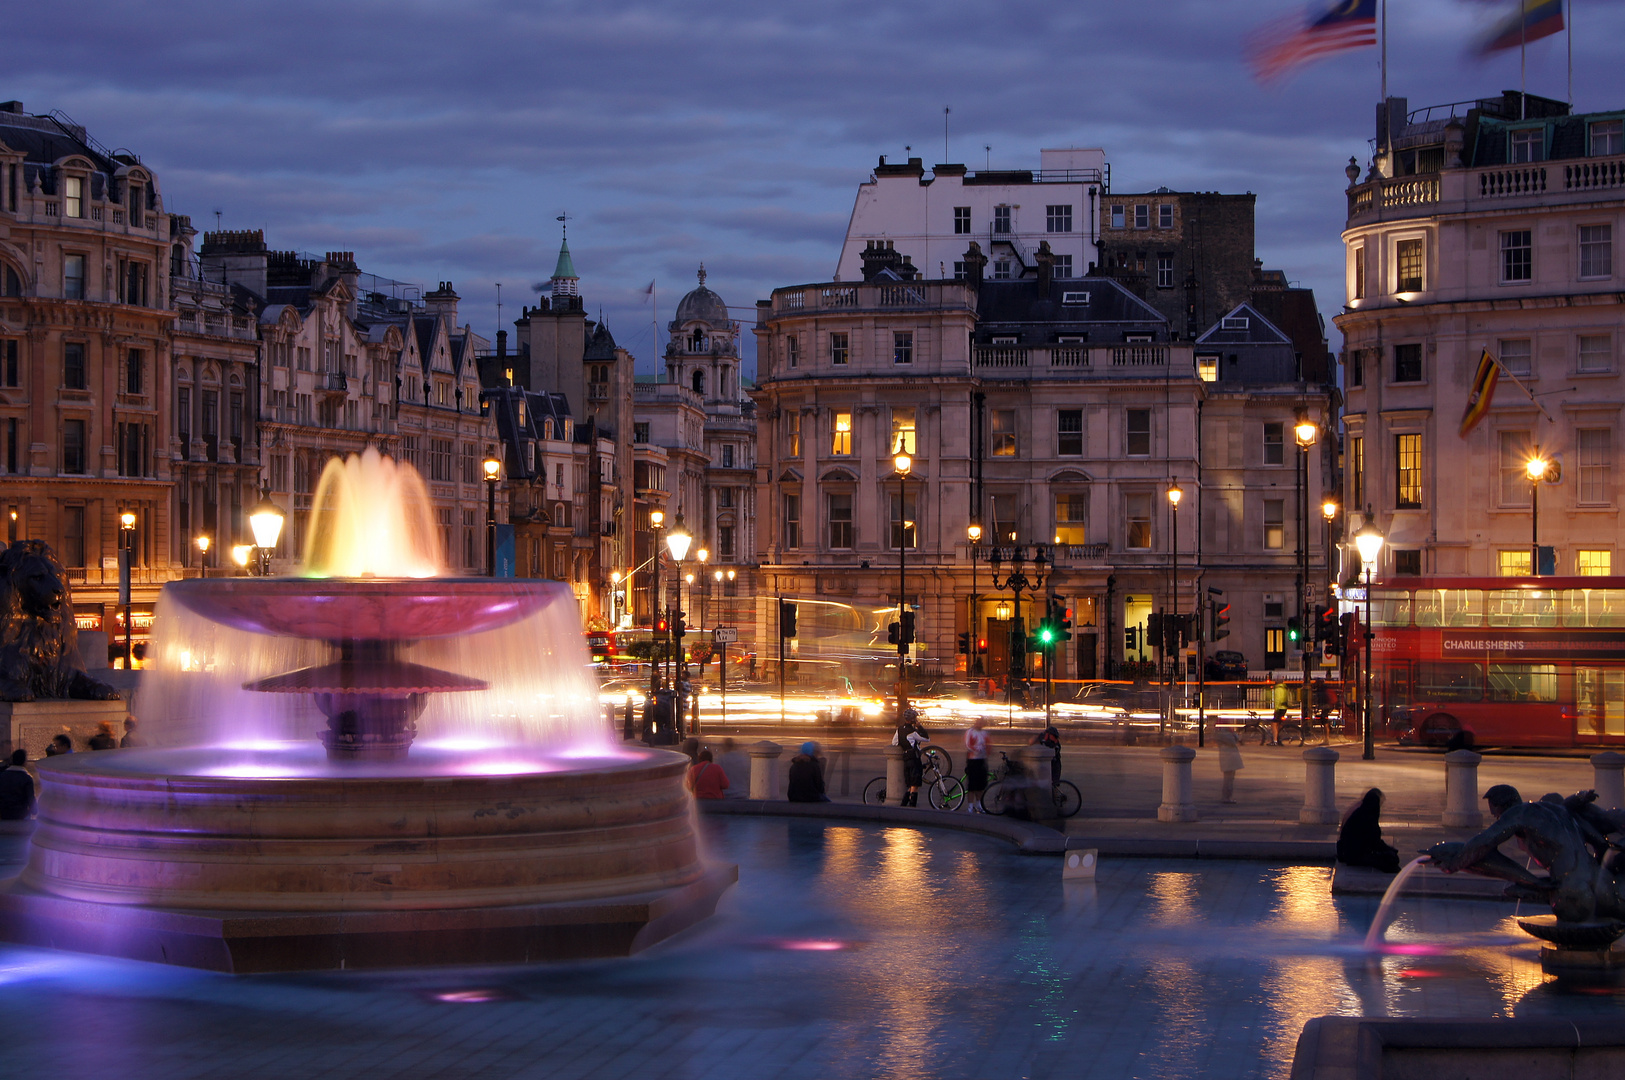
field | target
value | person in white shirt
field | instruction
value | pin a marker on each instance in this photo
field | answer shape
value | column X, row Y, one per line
column 975, row 765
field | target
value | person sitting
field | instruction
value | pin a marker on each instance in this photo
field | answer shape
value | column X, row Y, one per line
column 806, row 780
column 130, row 737
column 1360, row 842
column 104, row 739
column 706, row 778
column 60, row 744
column 16, row 789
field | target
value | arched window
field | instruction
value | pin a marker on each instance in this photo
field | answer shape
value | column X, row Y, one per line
column 696, row 341
column 11, row 283
column 699, row 382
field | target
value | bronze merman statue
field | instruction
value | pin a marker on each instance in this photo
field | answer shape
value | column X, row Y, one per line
column 39, row 642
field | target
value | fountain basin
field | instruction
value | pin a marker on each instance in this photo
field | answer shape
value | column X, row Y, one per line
column 145, row 853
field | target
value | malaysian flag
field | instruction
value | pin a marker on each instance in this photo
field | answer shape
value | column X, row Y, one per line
column 1277, row 48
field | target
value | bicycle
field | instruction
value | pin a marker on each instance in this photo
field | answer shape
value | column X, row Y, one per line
column 942, row 791
column 1002, row 794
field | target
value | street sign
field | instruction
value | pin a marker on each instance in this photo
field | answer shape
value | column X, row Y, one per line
column 725, row 635
column 1309, row 594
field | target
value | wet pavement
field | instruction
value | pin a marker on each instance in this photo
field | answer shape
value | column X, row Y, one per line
column 845, row 951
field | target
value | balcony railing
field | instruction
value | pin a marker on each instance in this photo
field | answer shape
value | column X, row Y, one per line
column 1139, row 355
column 1534, row 180
column 1494, row 183
column 1591, row 175
column 890, row 294
column 1074, row 357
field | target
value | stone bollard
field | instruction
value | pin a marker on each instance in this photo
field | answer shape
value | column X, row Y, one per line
column 1608, row 778
column 895, row 787
column 1461, row 790
column 764, row 769
column 1036, row 760
column 1178, row 800
column 1319, row 787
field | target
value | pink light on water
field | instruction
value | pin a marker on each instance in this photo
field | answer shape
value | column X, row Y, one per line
column 1415, row 950
column 813, row 945
column 503, row 767
column 472, row 997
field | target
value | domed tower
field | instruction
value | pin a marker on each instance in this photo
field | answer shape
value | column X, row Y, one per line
column 703, row 351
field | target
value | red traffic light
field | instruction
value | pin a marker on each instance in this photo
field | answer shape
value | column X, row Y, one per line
column 661, row 626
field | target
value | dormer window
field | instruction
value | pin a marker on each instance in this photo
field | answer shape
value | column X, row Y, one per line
column 1526, row 145
column 73, row 196
column 1068, row 298
column 1233, row 322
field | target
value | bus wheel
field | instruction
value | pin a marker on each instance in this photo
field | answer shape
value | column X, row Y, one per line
column 1438, row 730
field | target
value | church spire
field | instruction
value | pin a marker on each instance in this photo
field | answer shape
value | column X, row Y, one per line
column 564, row 274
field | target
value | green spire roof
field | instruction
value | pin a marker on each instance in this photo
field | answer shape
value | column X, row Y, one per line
column 565, row 268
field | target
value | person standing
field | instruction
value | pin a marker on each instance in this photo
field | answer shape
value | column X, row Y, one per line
column 1229, row 762
column 16, row 789
column 975, row 764
column 910, row 737
column 1281, row 698
column 806, row 780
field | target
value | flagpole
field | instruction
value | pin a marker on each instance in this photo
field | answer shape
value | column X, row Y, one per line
column 1387, row 121
column 1523, row 58
column 1570, row 37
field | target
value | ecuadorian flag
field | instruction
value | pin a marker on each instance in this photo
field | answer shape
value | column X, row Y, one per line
column 1481, row 394
column 1533, row 20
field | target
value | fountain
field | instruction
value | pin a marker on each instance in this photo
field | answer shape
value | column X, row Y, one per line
column 369, row 764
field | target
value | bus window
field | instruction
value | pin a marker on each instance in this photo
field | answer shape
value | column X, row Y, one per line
column 1600, row 695
column 1594, row 607
column 1522, row 607
column 1449, row 607
column 1523, row 682
column 1398, row 682
column 1390, row 607
column 1449, row 682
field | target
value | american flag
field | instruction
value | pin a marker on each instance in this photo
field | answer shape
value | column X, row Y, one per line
column 1277, row 48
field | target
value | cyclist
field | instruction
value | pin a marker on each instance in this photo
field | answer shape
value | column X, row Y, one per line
column 975, row 765
column 1281, row 698
column 911, row 736
column 1051, row 738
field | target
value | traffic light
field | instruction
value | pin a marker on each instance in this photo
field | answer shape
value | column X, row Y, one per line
column 661, row 626
column 964, row 642
column 981, row 646
column 678, row 626
column 893, row 633
column 908, row 628
column 787, row 618
column 1326, row 625
column 1131, row 638
column 1345, row 634
column 1063, row 627
column 1046, row 634
column 1153, row 630
column 1294, row 630
column 1218, row 615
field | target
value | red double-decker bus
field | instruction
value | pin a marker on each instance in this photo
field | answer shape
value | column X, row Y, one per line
column 1518, row 662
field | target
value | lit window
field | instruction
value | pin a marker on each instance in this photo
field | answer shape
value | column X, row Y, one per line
column 1359, row 272
column 1003, row 430
column 792, row 434
column 1408, row 263
column 1513, row 563
column 1207, row 368
column 1607, row 138
column 1517, row 256
column 1072, row 517
column 1594, row 563
column 1058, row 219
column 902, row 431
column 842, row 442
column 1596, row 251
column 1274, row 524
column 1408, row 472
column 961, row 220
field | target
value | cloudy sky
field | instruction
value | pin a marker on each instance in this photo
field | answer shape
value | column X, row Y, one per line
column 441, row 140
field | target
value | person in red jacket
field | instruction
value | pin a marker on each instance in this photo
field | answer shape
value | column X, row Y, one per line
column 706, row 778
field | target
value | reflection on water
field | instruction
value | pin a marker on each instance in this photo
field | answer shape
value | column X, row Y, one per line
column 863, row 951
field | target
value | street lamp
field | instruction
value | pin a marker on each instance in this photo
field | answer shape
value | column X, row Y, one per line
column 265, row 522
column 677, row 542
column 903, row 464
column 1175, row 493
column 202, row 556
column 126, row 527
column 1368, row 541
column 705, row 584
column 614, row 598
column 974, row 532
column 240, row 554
column 657, row 519
column 1306, row 431
column 1328, row 510
column 1536, row 468
column 492, row 466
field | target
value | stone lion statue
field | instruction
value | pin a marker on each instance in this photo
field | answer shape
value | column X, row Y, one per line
column 39, row 642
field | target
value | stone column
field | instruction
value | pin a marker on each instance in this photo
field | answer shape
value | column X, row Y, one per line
column 1319, row 786
column 1178, row 801
column 895, row 786
column 1608, row 778
column 1461, row 790
column 764, row 769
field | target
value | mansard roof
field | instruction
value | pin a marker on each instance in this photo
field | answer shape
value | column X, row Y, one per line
column 1232, row 330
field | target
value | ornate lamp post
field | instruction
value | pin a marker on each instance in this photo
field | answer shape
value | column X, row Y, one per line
column 1368, row 541
column 240, row 554
column 1536, row 468
column 202, row 556
column 1306, row 431
column 126, row 532
column 265, row 522
column 1175, row 493
column 1018, row 582
column 657, row 519
column 677, row 541
column 974, row 532
column 705, row 584
column 903, row 463
column 614, row 599
column 492, row 467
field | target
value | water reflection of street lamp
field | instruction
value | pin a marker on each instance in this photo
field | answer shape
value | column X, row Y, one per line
column 492, row 466
column 126, row 532
column 1368, row 541
column 265, row 522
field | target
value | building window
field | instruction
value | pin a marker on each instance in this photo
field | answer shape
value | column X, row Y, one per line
column 1001, row 219
column 902, row 432
column 1117, row 217
column 840, row 349
column 1138, row 427
column 1408, row 263
column 1514, row 477
column 132, row 371
column 1207, row 368
column 902, row 347
column 1058, row 219
column 1356, row 366
column 1072, row 517
column 1165, row 271
column 1517, row 356
column 73, row 365
column 135, row 284
column 1359, row 272
column 1596, row 352
column 73, row 536
column 1407, row 562
column 73, row 277
column 1142, row 216
column 1004, row 519
column 725, row 541
column 792, row 352
column 727, row 455
column 14, row 463
column 1596, row 464
column 73, row 446
column 1607, row 138
column 1590, row 563
column 905, row 532
column 1063, row 266
column 640, row 431
column 1513, row 563
column 1002, row 427
column 1275, row 443
column 1408, row 472
column 792, row 520
column 1274, row 524
column 1517, row 256
column 1356, row 472
column 725, row 498
column 792, row 435
column 439, row 460
column 1069, row 433
column 1408, row 363
column 960, row 273
column 1526, row 145
column 841, row 444
column 840, row 520
column 1001, row 270
column 1165, row 216
column 446, row 527
column 961, row 221
column 1596, row 251
column 468, row 538
column 1137, row 513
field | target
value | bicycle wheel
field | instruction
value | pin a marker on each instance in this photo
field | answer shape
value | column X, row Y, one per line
column 1291, row 735
column 936, row 762
column 1262, row 731
column 946, row 794
column 1068, row 799
column 874, row 792
column 993, row 798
